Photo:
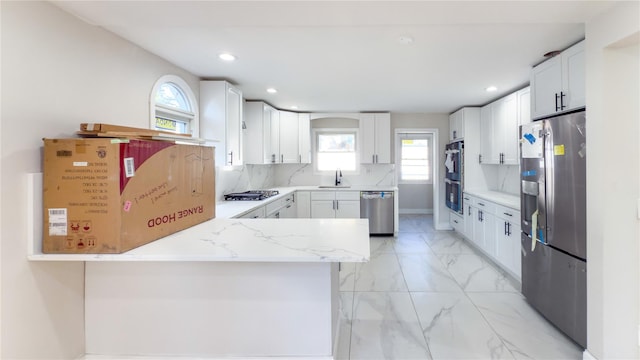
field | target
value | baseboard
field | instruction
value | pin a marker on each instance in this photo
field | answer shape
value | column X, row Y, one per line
column 586, row 355
column 415, row 211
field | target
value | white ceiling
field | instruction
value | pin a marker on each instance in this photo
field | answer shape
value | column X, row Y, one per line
column 338, row 56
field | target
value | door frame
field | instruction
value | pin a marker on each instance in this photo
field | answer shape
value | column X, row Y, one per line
column 434, row 164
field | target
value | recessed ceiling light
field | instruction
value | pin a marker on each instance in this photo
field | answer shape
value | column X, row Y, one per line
column 272, row 90
column 226, row 57
column 405, row 40
column 491, row 89
column 293, row 107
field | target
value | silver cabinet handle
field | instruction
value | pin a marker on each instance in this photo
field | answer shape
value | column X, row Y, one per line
column 373, row 159
column 281, row 158
column 337, row 205
column 231, row 158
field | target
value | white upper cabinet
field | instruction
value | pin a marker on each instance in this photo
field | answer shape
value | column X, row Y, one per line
column 499, row 126
column 221, row 108
column 261, row 133
column 524, row 106
column 456, row 125
column 558, row 84
column 487, row 153
column 304, row 138
column 375, row 138
column 289, row 134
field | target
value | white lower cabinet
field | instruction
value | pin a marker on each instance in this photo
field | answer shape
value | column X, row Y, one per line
column 494, row 229
column 254, row 214
column 507, row 230
column 456, row 221
column 303, row 204
column 335, row 204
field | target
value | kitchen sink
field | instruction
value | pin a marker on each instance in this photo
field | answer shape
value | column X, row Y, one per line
column 334, row 186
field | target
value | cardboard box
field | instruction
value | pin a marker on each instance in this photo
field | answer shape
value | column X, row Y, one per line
column 112, row 195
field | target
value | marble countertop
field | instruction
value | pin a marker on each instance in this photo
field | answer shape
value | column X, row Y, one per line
column 250, row 240
column 230, row 209
column 500, row 198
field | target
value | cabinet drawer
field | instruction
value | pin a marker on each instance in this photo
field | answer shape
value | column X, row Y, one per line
column 323, row 195
column 347, row 195
column 485, row 205
column 275, row 205
column 457, row 222
column 507, row 213
column 254, row 214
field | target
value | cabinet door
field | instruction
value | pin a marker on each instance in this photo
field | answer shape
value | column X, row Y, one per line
column 289, row 133
column 573, row 77
column 234, row 126
column 303, row 204
column 486, row 135
column 489, row 227
column 457, row 222
column 478, row 228
column 253, row 134
column 503, row 247
column 268, row 119
column 546, row 82
column 367, row 139
column 347, row 209
column 456, row 125
column 524, row 106
column 383, row 138
column 515, row 258
column 509, row 124
column 304, row 138
column 468, row 220
column 323, row 209
column 274, row 137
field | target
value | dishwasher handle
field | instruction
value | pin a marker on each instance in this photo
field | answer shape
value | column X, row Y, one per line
column 371, row 195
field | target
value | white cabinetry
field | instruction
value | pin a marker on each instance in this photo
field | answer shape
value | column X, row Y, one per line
column 304, row 138
column 524, row 106
column 303, row 204
column 456, row 125
column 499, row 132
column 558, row 84
column 495, row 230
column 289, row 134
column 335, row 204
column 254, row 214
column 507, row 230
column 261, row 133
column 375, row 138
column 221, row 109
column 456, row 221
column 282, row 208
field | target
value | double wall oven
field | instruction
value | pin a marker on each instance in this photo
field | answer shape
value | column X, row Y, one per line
column 453, row 154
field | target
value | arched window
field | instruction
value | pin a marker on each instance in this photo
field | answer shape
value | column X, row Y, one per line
column 173, row 106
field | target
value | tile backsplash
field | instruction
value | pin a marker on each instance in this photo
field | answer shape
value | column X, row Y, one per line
column 256, row 177
column 303, row 174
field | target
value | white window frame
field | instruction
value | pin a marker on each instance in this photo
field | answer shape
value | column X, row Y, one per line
column 420, row 134
column 192, row 118
column 314, row 146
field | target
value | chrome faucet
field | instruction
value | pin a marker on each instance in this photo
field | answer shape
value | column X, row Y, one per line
column 338, row 177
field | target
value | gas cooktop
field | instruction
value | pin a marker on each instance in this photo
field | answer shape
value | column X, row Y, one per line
column 251, row 195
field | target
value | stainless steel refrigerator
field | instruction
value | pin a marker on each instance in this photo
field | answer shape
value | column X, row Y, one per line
column 553, row 211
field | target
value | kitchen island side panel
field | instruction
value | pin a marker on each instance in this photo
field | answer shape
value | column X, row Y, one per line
column 210, row 309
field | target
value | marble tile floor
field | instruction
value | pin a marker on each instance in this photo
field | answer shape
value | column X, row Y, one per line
column 428, row 295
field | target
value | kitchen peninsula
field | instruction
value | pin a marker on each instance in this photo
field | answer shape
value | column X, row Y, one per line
column 223, row 288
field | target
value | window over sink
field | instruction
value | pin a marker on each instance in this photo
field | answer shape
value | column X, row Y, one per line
column 335, row 149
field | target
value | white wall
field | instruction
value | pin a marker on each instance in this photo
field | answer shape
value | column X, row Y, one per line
column 426, row 121
column 56, row 73
column 613, row 175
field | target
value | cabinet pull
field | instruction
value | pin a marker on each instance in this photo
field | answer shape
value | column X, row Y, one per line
column 508, row 214
column 337, row 205
column 376, row 158
column 562, row 105
column 231, row 158
column 334, row 205
column 479, row 158
column 281, row 158
column 557, row 107
column 289, row 207
column 255, row 216
column 466, row 198
column 509, row 229
column 469, row 210
column 481, row 204
column 300, row 159
column 373, row 159
column 273, row 158
column 454, row 134
column 505, row 228
column 455, row 221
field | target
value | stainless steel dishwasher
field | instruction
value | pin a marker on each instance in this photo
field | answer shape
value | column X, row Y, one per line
column 377, row 206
